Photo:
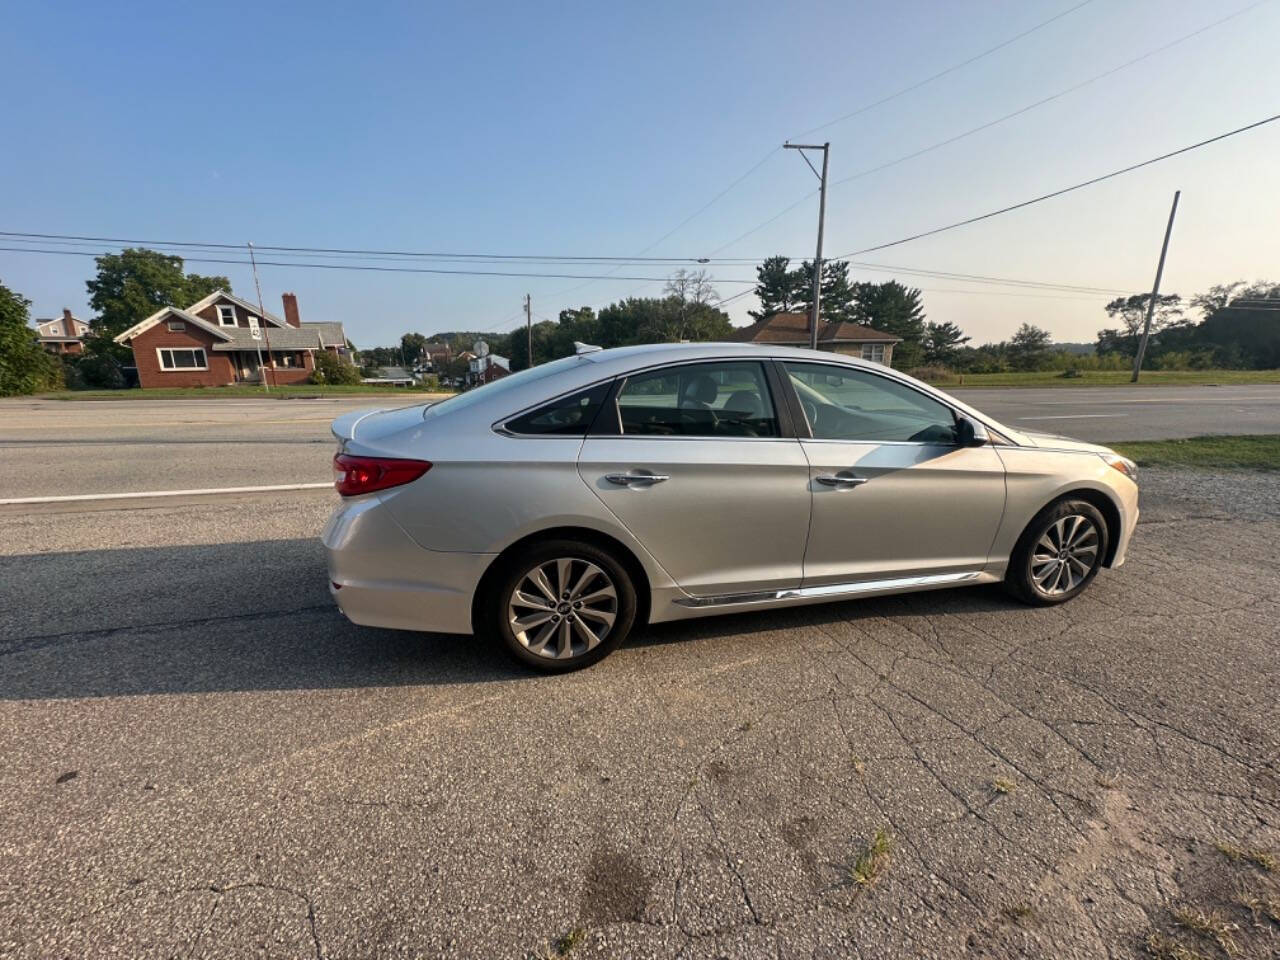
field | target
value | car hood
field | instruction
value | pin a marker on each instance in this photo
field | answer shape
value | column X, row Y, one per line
column 1056, row 442
column 376, row 422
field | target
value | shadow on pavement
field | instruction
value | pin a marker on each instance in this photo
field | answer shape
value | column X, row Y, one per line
column 257, row 616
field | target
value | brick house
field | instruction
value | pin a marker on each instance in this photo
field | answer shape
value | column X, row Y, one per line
column 851, row 339
column 62, row 335
column 222, row 340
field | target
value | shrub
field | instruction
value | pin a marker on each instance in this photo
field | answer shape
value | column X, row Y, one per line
column 931, row 373
column 334, row 370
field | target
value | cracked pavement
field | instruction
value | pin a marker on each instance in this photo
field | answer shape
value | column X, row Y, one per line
column 253, row 775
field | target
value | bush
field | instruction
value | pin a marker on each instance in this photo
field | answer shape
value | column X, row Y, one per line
column 334, row 370
column 93, row 371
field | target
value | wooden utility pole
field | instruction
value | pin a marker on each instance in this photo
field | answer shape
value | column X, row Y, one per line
column 1155, row 292
column 262, row 320
column 815, row 313
column 528, row 325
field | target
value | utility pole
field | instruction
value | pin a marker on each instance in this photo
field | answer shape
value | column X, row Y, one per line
column 822, row 216
column 1155, row 292
column 528, row 325
column 262, row 323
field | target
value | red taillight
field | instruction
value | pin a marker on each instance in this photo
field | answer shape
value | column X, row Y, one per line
column 353, row 476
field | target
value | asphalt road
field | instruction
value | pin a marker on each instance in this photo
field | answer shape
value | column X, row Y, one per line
column 1112, row 414
column 202, row 758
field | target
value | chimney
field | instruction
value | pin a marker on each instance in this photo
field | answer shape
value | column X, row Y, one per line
column 68, row 322
column 291, row 310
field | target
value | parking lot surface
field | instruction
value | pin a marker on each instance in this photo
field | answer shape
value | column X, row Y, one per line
column 204, row 759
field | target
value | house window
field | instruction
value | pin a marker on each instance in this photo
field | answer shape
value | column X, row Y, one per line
column 873, row 351
column 176, row 325
column 226, row 315
column 180, row 359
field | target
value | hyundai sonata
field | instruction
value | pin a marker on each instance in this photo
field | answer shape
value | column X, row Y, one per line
column 557, row 508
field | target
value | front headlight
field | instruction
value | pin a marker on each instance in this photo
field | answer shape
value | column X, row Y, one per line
column 1123, row 464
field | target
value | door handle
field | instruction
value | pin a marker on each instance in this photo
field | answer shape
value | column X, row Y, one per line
column 626, row 479
column 842, row 480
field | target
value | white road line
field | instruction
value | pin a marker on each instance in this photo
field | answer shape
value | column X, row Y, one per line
column 1077, row 416
column 148, row 494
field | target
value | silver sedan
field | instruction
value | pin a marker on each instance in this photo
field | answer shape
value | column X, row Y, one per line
column 559, row 507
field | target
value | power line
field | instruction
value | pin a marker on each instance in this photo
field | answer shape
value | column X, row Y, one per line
column 941, row 73
column 1049, row 99
column 1058, row 193
column 990, row 123
column 371, row 267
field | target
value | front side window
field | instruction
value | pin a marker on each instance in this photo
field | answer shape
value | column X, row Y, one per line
column 729, row 398
column 176, row 359
column 569, row 416
column 842, row 403
column 226, row 315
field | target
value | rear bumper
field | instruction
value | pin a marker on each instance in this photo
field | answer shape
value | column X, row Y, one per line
column 380, row 578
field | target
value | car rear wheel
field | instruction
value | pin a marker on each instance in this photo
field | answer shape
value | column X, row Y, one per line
column 1059, row 553
column 562, row 605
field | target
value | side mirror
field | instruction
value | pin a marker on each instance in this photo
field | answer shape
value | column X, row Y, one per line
column 970, row 433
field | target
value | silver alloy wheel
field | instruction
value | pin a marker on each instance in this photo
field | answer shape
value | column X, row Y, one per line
column 1064, row 555
column 563, row 608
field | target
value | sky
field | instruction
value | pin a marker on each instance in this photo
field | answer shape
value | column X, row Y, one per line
column 589, row 129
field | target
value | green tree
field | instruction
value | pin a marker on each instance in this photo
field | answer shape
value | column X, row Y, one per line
column 1132, row 314
column 333, row 369
column 1029, row 348
column 942, row 342
column 25, row 367
column 132, row 285
column 895, row 309
column 411, row 347
column 778, row 287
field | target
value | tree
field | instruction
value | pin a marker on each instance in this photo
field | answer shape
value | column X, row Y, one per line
column 333, row 369
column 838, row 293
column 25, row 367
column 687, row 313
column 778, row 288
column 895, row 309
column 1029, row 347
column 942, row 342
column 1132, row 314
column 412, row 346
column 132, row 285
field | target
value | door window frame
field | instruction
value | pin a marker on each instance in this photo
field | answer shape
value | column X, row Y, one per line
column 609, row 422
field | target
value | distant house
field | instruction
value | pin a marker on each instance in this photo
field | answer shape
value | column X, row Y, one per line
column 486, row 369
column 65, row 334
column 851, row 339
column 436, row 355
column 222, row 340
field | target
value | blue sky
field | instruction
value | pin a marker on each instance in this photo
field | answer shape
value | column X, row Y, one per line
column 596, row 128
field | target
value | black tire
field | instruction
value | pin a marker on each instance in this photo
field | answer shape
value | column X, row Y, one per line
column 1044, row 582
column 496, row 609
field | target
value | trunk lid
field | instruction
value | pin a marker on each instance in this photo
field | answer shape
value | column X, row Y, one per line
column 374, row 423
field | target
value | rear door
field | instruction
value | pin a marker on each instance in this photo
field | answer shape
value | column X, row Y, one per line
column 703, row 471
column 893, row 494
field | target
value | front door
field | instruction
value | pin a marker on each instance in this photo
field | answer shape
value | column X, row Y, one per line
column 893, row 494
column 248, row 366
column 701, row 475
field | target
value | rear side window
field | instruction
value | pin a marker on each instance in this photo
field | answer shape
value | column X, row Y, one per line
column 723, row 399
column 569, row 416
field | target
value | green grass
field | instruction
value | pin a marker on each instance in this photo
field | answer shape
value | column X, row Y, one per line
column 243, row 391
column 1109, row 378
column 1232, row 453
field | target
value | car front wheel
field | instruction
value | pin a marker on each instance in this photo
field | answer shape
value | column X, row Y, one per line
column 563, row 605
column 1058, row 554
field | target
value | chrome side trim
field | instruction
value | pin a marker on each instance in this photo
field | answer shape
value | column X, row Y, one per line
column 831, row 590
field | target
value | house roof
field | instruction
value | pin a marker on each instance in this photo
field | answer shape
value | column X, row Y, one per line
column 279, row 338
column 189, row 314
column 331, row 334
column 794, row 328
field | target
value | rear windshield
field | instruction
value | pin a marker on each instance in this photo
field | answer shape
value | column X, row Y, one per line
column 496, row 387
